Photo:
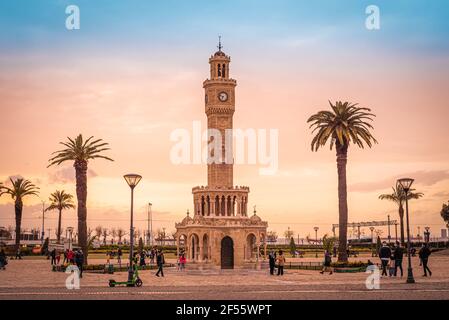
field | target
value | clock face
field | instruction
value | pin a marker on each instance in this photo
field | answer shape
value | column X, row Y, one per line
column 223, row 96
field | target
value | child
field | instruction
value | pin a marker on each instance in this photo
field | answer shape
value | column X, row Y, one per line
column 391, row 268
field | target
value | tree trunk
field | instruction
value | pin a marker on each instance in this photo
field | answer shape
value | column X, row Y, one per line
column 342, row 159
column 18, row 211
column 81, row 194
column 401, row 222
column 59, row 226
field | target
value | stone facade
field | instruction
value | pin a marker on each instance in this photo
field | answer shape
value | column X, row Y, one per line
column 221, row 231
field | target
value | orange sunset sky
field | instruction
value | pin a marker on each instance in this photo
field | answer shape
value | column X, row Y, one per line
column 131, row 80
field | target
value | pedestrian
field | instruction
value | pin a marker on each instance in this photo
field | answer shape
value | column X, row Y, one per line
column 152, row 255
column 58, row 257
column 71, row 257
column 119, row 256
column 272, row 261
column 18, row 254
column 142, row 259
column 384, row 255
column 398, row 257
column 281, row 263
column 160, row 260
column 79, row 260
column 108, row 257
column 53, row 257
column 424, row 255
column 3, row 260
column 327, row 263
column 182, row 262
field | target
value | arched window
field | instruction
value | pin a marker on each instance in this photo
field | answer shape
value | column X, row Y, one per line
column 219, row 70
column 224, row 71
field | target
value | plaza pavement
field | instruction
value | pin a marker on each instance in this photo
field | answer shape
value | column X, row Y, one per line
column 32, row 279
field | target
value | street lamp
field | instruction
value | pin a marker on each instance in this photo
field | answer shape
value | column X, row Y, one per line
column 132, row 180
column 372, row 239
column 150, row 225
column 389, row 230
column 43, row 221
column 427, row 234
column 70, row 230
column 316, row 240
column 405, row 184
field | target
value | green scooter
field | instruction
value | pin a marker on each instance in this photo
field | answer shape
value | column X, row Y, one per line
column 135, row 281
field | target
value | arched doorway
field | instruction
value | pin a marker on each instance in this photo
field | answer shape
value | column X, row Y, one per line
column 227, row 253
column 251, row 247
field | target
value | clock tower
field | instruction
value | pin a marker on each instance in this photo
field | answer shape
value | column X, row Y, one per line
column 220, row 108
column 221, row 232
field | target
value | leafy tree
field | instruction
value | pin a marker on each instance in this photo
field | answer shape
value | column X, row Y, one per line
column 346, row 123
column 60, row 200
column 445, row 214
column 292, row 246
column 20, row 189
column 272, row 236
column 329, row 243
column 80, row 151
column 398, row 197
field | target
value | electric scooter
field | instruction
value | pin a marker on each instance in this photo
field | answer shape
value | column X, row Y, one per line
column 135, row 281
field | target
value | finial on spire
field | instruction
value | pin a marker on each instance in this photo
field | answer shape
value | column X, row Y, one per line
column 219, row 44
column 255, row 210
column 188, row 213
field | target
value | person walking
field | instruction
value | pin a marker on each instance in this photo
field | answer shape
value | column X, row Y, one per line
column 58, row 257
column 119, row 256
column 18, row 254
column 424, row 255
column 142, row 262
column 398, row 257
column 327, row 263
column 3, row 260
column 53, row 257
column 281, row 263
column 66, row 252
column 385, row 256
column 272, row 261
column 71, row 257
column 182, row 262
column 79, row 260
column 160, row 260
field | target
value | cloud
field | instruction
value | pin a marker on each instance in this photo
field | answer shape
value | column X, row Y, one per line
column 424, row 178
column 67, row 175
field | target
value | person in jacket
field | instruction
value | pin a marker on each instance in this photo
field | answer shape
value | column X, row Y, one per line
column 398, row 256
column 384, row 255
column 281, row 263
column 160, row 260
column 79, row 260
column 424, row 255
column 53, row 257
column 3, row 261
column 272, row 261
column 327, row 263
column 182, row 262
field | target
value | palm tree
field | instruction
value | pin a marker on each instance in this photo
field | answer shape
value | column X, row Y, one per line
column 398, row 197
column 19, row 190
column 346, row 123
column 81, row 152
column 60, row 200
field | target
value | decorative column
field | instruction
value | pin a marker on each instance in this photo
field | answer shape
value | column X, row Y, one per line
column 177, row 246
column 226, row 207
column 200, row 258
column 212, row 207
column 206, row 208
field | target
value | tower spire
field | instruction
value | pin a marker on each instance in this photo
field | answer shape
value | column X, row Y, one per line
column 219, row 44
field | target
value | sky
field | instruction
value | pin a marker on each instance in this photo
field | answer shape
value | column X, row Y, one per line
column 133, row 73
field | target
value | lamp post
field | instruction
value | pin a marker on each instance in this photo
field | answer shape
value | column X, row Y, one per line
column 132, row 180
column 316, row 241
column 43, row 221
column 70, row 230
column 405, row 184
column 389, row 230
column 150, row 225
column 427, row 234
column 372, row 239
column 396, row 231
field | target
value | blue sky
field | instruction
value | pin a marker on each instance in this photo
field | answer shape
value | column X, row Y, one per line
column 406, row 24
